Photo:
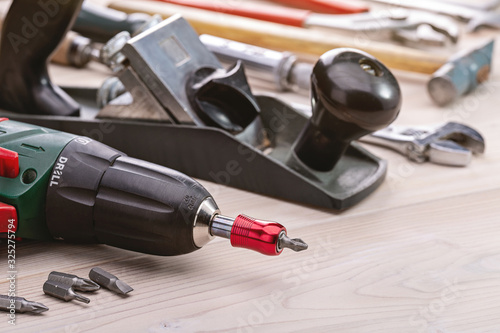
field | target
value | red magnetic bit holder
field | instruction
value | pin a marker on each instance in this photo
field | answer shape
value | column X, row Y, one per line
column 260, row 236
column 9, row 163
column 8, row 218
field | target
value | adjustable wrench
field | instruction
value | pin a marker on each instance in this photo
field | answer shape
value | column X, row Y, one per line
column 415, row 28
column 476, row 18
column 451, row 144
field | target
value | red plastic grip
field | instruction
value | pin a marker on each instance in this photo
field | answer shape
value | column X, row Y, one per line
column 8, row 218
column 326, row 6
column 9, row 161
column 277, row 14
column 260, row 236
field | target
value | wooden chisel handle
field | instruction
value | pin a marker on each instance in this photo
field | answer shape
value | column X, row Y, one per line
column 281, row 37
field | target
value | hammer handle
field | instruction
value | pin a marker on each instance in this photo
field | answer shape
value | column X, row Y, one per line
column 281, row 37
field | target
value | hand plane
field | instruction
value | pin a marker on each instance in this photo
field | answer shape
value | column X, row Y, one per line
column 182, row 109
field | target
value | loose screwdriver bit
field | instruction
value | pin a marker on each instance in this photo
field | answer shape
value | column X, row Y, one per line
column 21, row 305
column 75, row 282
column 109, row 281
column 62, row 291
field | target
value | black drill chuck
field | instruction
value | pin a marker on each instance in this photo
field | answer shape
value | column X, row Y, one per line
column 99, row 195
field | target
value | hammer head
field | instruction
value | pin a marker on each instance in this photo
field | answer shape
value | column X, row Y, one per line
column 461, row 74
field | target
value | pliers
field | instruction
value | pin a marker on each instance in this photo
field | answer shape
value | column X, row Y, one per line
column 408, row 27
column 450, row 144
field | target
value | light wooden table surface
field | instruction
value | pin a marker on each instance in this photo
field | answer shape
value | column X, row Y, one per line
column 421, row 254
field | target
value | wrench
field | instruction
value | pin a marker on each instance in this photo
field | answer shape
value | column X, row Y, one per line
column 476, row 18
column 409, row 27
column 450, row 144
column 490, row 5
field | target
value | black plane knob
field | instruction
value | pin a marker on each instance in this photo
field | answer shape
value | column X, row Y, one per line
column 353, row 94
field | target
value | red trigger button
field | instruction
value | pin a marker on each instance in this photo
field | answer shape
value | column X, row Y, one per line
column 8, row 218
column 9, row 163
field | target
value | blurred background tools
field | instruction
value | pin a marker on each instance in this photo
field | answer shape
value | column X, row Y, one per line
column 401, row 27
column 21, row 305
column 461, row 74
column 62, row 291
column 74, row 281
column 451, row 144
column 109, row 281
column 476, row 17
column 95, row 25
column 292, row 39
column 93, row 20
column 76, row 50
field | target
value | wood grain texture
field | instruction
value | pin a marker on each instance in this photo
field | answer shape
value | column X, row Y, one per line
column 421, row 254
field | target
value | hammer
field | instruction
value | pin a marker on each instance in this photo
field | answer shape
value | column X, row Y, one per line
column 462, row 73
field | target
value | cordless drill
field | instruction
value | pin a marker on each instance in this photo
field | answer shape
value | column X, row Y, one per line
column 55, row 185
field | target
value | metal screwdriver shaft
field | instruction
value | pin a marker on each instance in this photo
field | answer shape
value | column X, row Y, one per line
column 109, row 281
column 21, row 305
column 62, row 291
column 75, row 282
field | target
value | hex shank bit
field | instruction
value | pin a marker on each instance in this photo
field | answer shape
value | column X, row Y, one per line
column 75, row 282
column 109, row 281
column 62, row 291
column 21, row 305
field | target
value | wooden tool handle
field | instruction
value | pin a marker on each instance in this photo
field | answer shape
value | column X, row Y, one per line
column 281, row 37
